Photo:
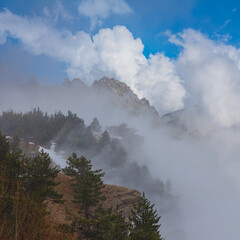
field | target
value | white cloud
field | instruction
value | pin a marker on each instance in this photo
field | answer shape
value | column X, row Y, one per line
column 211, row 71
column 98, row 10
column 111, row 52
column 154, row 78
column 206, row 71
column 159, row 77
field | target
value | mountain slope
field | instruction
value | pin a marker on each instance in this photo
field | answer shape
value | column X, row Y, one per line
column 122, row 197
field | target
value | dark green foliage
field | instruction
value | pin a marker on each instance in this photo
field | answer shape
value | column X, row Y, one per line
column 71, row 133
column 10, row 169
column 109, row 225
column 25, row 185
column 98, row 224
column 144, row 221
column 40, row 178
column 38, row 125
column 87, row 183
column 4, row 148
column 34, row 124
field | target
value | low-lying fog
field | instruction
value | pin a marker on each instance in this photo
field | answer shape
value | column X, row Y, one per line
column 195, row 152
column 198, row 158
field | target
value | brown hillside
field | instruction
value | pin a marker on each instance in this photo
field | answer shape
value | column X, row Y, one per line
column 122, row 197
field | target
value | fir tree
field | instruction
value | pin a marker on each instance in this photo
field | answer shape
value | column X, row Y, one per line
column 87, row 183
column 88, row 186
column 109, row 224
column 40, row 178
column 25, row 184
column 92, row 221
column 144, row 221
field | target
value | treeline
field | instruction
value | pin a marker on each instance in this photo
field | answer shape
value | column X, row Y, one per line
column 68, row 131
column 26, row 184
column 38, row 125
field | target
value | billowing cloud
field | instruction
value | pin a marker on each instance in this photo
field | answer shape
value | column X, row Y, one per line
column 160, row 82
column 111, row 52
column 98, row 10
column 206, row 71
column 211, row 71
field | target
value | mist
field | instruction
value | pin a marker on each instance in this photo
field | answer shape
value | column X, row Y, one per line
column 186, row 164
column 186, row 157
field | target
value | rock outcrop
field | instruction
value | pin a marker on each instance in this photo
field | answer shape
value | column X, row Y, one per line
column 124, row 94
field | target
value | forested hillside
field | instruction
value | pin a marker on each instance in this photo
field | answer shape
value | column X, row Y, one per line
column 28, row 184
column 113, row 148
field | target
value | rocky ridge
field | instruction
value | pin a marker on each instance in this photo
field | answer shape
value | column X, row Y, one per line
column 124, row 94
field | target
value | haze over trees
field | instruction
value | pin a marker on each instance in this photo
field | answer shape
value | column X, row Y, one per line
column 27, row 183
column 113, row 148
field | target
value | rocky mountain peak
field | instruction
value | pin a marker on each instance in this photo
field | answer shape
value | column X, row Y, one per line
column 113, row 85
column 124, row 93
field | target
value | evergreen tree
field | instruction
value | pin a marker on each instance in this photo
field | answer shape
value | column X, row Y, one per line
column 88, row 186
column 40, row 178
column 87, row 183
column 4, row 148
column 22, row 208
column 88, row 139
column 109, row 224
column 144, row 221
column 105, row 139
column 92, row 221
column 95, row 125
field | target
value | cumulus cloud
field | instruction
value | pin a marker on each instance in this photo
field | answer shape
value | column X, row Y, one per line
column 211, row 71
column 98, row 10
column 111, row 52
column 160, row 78
column 206, row 71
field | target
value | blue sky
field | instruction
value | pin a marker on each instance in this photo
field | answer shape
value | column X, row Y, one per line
column 52, row 40
column 150, row 18
column 174, row 53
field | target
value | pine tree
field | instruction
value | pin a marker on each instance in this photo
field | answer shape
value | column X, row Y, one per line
column 40, row 178
column 92, row 221
column 87, row 183
column 88, row 186
column 25, row 184
column 144, row 221
column 109, row 224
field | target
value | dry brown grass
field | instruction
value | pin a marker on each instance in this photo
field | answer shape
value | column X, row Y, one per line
column 122, row 197
column 21, row 218
column 29, row 221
